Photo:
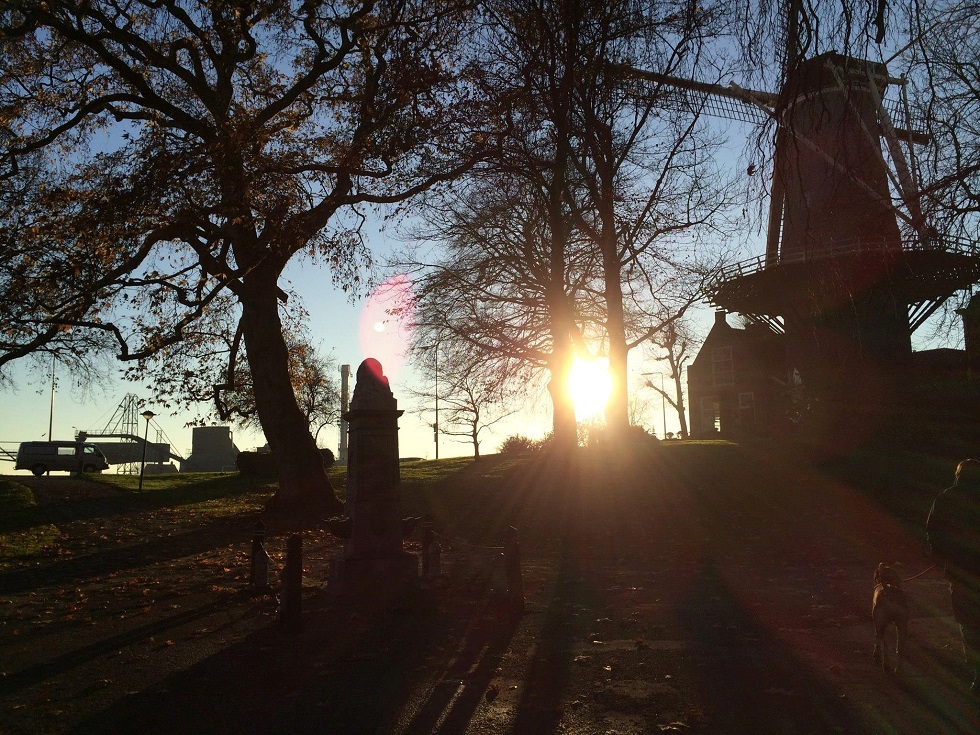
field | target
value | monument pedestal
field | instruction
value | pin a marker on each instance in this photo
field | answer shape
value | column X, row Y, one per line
column 374, row 561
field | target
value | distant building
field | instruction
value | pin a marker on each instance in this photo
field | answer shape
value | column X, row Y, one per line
column 212, row 450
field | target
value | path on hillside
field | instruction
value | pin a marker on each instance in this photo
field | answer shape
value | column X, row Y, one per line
column 712, row 600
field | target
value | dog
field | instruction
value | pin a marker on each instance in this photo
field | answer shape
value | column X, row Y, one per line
column 889, row 607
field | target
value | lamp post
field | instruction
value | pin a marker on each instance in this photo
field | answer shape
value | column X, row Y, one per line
column 51, row 412
column 663, row 402
column 435, row 426
column 147, row 415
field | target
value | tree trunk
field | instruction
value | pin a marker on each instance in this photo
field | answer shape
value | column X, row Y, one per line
column 564, row 426
column 303, row 482
column 617, row 406
column 681, row 408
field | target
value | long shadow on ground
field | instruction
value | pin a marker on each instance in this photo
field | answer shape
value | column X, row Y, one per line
column 66, row 571
column 352, row 669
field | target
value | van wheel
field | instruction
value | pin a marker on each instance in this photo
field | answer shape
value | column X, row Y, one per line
column 88, row 468
column 38, row 470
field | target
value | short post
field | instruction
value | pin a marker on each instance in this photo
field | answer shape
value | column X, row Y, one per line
column 512, row 562
column 259, row 574
column 291, row 603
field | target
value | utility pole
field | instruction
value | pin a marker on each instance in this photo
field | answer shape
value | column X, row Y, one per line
column 51, row 412
column 435, row 426
column 344, row 407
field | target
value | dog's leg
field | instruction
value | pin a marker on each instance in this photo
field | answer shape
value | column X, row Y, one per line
column 879, row 649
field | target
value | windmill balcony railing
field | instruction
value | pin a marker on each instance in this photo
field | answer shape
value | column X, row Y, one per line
column 759, row 263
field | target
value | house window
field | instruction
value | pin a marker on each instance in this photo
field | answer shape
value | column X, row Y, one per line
column 722, row 371
column 710, row 415
column 746, row 400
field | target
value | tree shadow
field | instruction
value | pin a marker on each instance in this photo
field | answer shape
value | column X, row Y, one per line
column 58, row 665
column 66, row 571
column 453, row 699
column 353, row 668
column 548, row 672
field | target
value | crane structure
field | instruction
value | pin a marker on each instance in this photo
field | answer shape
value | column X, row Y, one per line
column 127, row 452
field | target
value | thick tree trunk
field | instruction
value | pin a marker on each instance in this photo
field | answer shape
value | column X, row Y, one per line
column 303, row 482
column 564, row 426
column 617, row 406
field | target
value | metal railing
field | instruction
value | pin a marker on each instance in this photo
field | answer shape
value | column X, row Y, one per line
column 753, row 265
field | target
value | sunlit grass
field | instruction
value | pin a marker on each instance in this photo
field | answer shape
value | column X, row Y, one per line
column 22, row 531
column 212, row 494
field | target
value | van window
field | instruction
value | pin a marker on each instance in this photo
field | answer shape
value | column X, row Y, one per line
column 88, row 450
column 66, row 451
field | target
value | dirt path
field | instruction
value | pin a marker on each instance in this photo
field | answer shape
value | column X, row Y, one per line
column 694, row 607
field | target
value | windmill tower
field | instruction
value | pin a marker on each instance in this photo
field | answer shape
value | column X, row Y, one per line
column 841, row 278
column 851, row 268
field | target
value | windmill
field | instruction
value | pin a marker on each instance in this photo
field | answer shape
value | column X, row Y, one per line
column 850, row 271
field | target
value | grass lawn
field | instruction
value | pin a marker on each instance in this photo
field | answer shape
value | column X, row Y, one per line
column 24, row 531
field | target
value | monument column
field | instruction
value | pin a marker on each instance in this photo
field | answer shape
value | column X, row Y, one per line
column 373, row 551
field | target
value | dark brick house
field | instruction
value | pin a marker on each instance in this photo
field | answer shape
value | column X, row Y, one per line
column 737, row 384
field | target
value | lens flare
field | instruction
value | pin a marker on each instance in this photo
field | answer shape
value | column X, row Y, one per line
column 385, row 325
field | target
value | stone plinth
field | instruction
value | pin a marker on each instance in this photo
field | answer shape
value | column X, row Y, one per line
column 373, row 557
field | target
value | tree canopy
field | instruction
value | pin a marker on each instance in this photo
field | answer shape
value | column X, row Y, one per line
column 159, row 156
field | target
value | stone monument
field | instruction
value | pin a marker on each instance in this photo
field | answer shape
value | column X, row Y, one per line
column 373, row 557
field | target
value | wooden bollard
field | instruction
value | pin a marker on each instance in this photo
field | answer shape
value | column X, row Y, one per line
column 512, row 563
column 291, row 600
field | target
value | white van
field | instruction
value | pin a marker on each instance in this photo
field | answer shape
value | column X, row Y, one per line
column 66, row 456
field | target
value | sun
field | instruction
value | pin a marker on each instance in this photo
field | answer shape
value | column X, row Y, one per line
column 589, row 385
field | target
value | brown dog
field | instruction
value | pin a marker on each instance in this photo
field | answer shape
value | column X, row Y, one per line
column 889, row 607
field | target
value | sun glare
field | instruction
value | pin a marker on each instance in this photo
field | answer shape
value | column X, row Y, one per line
column 589, row 385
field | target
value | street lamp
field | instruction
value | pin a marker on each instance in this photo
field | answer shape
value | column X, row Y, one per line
column 147, row 415
column 663, row 402
column 435, row 426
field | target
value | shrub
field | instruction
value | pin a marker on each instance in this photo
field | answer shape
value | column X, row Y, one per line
column 518, row 444
column 599, row 436
column 263, row 464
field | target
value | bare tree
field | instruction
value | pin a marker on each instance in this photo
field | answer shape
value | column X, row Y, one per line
column 503, row 285
column 675, row 344
column 585, row 224
column 645, row 186
column 472, row 395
